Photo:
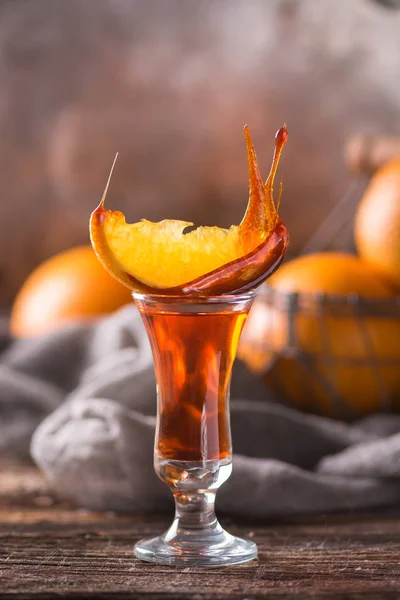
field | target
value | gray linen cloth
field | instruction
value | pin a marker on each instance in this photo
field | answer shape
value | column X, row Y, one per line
column 82, row 400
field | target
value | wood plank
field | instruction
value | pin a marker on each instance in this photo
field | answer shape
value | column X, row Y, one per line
column 49, row 549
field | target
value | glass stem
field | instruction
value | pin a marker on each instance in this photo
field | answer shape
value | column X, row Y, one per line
column 194, row 511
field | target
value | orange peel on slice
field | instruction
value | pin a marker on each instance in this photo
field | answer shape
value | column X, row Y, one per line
column 161, row 258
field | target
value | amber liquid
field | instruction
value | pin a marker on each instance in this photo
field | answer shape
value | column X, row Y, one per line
column 193, row 356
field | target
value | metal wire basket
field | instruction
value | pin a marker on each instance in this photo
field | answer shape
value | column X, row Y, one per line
column 333, row 355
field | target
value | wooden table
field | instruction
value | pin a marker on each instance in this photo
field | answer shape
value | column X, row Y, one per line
column 48, row 550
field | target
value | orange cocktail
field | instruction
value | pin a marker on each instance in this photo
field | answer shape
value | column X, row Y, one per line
column 193, row 356
column 194, row 291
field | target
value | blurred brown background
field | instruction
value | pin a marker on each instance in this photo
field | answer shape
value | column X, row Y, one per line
column 170, row 84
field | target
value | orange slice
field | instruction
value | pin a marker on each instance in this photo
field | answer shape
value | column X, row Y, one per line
column 162, row 258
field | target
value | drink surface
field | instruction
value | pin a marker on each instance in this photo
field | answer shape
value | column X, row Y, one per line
column 193, row 357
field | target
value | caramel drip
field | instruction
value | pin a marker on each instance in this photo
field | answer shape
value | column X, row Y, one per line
column 262, row 214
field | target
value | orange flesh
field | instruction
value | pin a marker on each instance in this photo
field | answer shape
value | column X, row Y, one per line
column 206, row 261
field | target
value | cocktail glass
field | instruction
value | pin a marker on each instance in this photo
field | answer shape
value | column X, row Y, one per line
column 194, row 342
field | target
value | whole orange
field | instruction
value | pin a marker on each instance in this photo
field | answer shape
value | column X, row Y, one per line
column 71, row 285
column 377, row 223
column 318, row 345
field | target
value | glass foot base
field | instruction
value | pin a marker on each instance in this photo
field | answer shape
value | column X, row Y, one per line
column 216, row 550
